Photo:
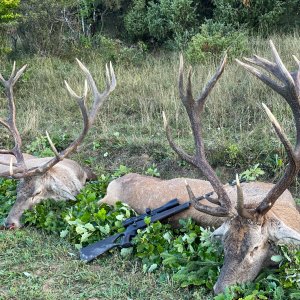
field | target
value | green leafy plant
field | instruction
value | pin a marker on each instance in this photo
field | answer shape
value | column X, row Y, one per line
column 153, row 171
column 48, row 216
column 122, row 170
column 40, row 146
column 82, row 221
column 188, row 251
column 88, row 222
column 7, row 196
column 252, row 173
column 233, row 155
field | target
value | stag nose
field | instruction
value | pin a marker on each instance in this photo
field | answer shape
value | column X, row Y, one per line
column 219, row 287
column 8, row 225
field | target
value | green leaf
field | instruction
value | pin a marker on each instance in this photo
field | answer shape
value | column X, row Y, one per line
column 147, row 220
column 105, row 229
column 152, row 268
column 85, row 236
column 80, row 229
column 89, row 226
column 277, row 258
column 120, row 217
column 78, row 246
column 168, row 236
column 64, row 233
column 125, row 252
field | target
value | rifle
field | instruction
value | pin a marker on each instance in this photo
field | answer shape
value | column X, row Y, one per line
column 132, row 224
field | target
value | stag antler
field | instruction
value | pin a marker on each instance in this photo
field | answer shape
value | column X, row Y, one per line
column 289, row 89
column 19, row 169
column 194, row 107
column 10, row 124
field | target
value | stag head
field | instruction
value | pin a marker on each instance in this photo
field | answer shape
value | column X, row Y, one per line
column 55, row 177
column 251, row 228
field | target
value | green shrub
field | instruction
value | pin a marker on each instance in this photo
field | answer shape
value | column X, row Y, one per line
column 214, row 39
column 135, row 21
column 263, row 15
column 165, row 21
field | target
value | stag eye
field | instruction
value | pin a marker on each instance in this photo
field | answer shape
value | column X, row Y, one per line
column 255, row 248
column 37, row 193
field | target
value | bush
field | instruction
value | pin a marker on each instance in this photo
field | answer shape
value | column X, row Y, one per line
column 135, row 20
column 263, row 15
column 214, row 39
column 164, row 21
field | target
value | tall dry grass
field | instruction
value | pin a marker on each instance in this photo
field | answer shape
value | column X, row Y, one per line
column 233, row 115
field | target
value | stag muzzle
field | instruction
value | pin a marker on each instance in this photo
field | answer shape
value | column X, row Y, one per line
column 237, row 271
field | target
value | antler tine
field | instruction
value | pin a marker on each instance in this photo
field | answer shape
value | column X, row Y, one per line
column 10, row 123
column 214, row 211
column 88, row 119
column 289, row 90
column 207, row 89
column 110, row 86
column 240, row 201
column 180, row 78
column 18, row 74
column 296, row 59
column 279, row 131
column 12, row 75
column 193, row 109
column 173, row 145
column 286, row 76
column 265, row 79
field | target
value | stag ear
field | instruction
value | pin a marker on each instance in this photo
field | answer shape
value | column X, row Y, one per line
column 280, row 233
column 219, row 232
column 62, row 193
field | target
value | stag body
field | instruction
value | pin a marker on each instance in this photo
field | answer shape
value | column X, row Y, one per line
column 141, row 192
column 57, row 177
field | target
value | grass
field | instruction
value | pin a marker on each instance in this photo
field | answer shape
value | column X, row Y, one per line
column 34, row 265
